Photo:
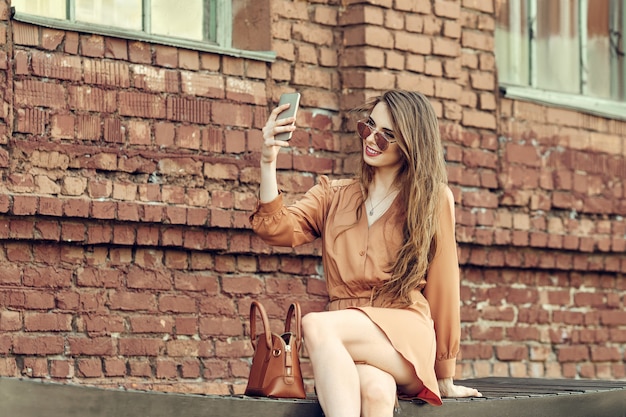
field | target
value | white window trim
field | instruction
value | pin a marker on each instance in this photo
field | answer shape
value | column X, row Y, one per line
column 586, row 104
column 222, row 47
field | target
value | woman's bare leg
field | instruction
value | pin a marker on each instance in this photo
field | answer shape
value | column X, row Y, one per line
column 378, row 392
column 337, row 339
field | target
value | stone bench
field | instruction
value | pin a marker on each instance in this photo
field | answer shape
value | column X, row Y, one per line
column 511, row 397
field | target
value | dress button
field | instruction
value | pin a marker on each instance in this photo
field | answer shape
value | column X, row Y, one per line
column 362, row 253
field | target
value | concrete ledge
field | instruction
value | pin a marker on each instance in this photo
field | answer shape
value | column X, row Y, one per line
column 28, row 398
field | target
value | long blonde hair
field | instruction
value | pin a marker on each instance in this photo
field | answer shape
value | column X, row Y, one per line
column 420, row 179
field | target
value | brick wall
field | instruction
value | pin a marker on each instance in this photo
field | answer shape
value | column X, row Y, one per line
column 129, row 170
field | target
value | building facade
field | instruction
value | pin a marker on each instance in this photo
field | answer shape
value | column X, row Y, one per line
column 129, row 168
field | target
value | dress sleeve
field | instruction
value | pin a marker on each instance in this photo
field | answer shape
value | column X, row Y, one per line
column 443, row 290
column 302, row 222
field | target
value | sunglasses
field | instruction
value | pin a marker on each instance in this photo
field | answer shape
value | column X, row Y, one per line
column 364, row 130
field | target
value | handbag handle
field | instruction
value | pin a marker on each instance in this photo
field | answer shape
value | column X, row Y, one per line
column 294, row 309
column 266, row 324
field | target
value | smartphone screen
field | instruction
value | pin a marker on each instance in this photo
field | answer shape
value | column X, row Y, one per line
column 294, row 100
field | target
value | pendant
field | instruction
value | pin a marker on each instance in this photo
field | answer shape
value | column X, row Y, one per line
column 371, row 212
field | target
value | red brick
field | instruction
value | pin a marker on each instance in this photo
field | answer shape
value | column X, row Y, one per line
column 21, row 229
column 164, row 134
column 84, row 346
column 573, row 353
column 89, row 368
column 99, row 234
column 166, row 369
column 148, row 279
column 151, row 324
column 188, row 110
column 92, row 45
column 48, row 230
column 195, row 239
column 172, row 237
column 140, row 347
column 148, row 235
column 76, row 208
column 511, row 353
column 175, row 259
column 108, row 73
column 25, row 205
column 177, row 304
column 114, row 367
column 73, row 232
column 196, row 282
column 39, row 345
column 35, row 367
column 139, row 52
column 104, row 324
column 613, row 318
column 10, row 321
column 103, row 209
column 220, row 326
column 34, row 93
column 124, row 234
column 197, row 216
column 4, row 203
column 446, row 47
column 140, row 368
column 47, row 322
column 474, row 118
column 477, row 40
column 60, row 368
column 231, row 114
column 89, row 98
column 176, row 215
column 491, row 333
column 38, row 300
column 190, row 369
column 186, row 326
column 242, row 285
column 99, row 277
column 152, row 213
column 137, row 104
column 50, row 277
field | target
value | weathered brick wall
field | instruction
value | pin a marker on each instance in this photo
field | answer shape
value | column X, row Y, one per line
column 129, row 170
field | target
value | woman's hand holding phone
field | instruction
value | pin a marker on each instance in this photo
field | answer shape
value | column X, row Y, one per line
column 279, row 127
column 280, row 122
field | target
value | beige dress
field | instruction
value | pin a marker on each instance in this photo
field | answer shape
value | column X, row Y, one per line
column 354, row 256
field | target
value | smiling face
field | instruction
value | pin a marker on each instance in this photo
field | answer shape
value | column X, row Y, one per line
column 380, row 120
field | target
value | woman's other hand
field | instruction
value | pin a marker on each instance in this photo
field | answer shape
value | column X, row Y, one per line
column 448, row 389
column 274, row 126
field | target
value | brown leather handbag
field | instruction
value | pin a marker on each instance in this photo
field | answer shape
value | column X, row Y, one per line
column 275, row 370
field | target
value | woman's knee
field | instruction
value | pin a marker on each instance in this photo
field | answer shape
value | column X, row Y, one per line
column 378, row 392
column 312, row 329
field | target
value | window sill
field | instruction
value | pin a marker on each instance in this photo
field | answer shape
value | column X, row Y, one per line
column 267, row 56
column 596, row 106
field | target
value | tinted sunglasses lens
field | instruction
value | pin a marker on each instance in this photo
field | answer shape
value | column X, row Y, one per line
column 381, row 142
column 364, row 131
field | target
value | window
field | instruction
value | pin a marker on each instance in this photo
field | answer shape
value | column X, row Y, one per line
column 565, row 52
column 198, row 24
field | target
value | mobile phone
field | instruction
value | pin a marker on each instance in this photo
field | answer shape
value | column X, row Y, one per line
column 294, row 100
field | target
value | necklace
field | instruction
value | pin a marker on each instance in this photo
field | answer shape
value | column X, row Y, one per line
column 372, row 206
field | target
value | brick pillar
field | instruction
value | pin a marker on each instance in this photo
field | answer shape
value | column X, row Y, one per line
column 6, row 77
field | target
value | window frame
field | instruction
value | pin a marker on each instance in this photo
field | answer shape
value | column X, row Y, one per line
column 598, row 106
column 222, row 33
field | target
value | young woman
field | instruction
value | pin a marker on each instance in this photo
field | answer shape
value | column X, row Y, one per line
column 390, row 261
